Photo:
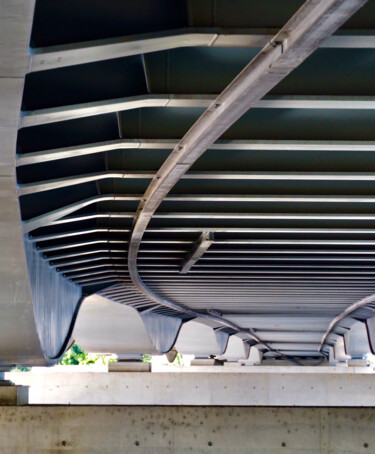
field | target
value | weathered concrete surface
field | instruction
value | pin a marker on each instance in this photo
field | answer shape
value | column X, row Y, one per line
column 108, row 430
column 235, row 387
column 125, row 366
column 13, row 395
column 18, row 338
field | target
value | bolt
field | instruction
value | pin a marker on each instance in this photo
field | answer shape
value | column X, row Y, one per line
column 210, row 443
column 283, row 444
column 63, row 443
column 365, row 445
column 136, row 443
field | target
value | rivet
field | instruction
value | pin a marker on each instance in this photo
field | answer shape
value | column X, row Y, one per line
column 210, row 443
column 136, row 443
column 365, row 445
column 63, row 443
column 283, row 444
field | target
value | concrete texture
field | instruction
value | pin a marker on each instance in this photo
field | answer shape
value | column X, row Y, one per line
column 56, row 300
column 13, row 395
column 106, row 430
column 19, row 342
column 229, row 386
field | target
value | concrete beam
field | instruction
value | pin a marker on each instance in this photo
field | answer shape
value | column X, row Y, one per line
column 305, row 386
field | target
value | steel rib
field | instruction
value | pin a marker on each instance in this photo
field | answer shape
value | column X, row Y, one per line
column 312, row 23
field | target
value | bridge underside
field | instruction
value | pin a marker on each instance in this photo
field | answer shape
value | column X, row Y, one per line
column 267, row 237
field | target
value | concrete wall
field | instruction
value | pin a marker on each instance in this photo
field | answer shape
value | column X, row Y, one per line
column 19, row 342
column 23, row 338
column 238, row 386
column 109, row 430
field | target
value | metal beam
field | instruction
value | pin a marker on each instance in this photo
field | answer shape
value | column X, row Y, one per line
column 56, row 236
column 80, row 244
column 314, row 22
column 70, row 112
column 108, row 261
column 33, row 188
column 200, row 247
column 105, row 49
column 300, row 254
column 51, row 216
column 63, row 261
column 224, row 215
column 88, row 109
column 349, row 310
column 48, row 185
column 188, row 290
column 55, row 216
column 52, row 258
column 281, row 231
column 261, row 230
column 169, row 144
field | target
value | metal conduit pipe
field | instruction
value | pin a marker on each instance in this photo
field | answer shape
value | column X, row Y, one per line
column 313, row 22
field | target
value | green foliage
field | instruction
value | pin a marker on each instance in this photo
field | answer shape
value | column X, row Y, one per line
column 21, row 369
column 76, row 356
column 179, row 360
column 146, row 358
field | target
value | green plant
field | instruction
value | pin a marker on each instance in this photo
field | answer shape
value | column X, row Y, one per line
column 179, row 360
column 21, row 369
column 76, row 356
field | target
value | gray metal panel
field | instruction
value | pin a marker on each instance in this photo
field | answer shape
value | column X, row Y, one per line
column 56, row 302
column 104, row 326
